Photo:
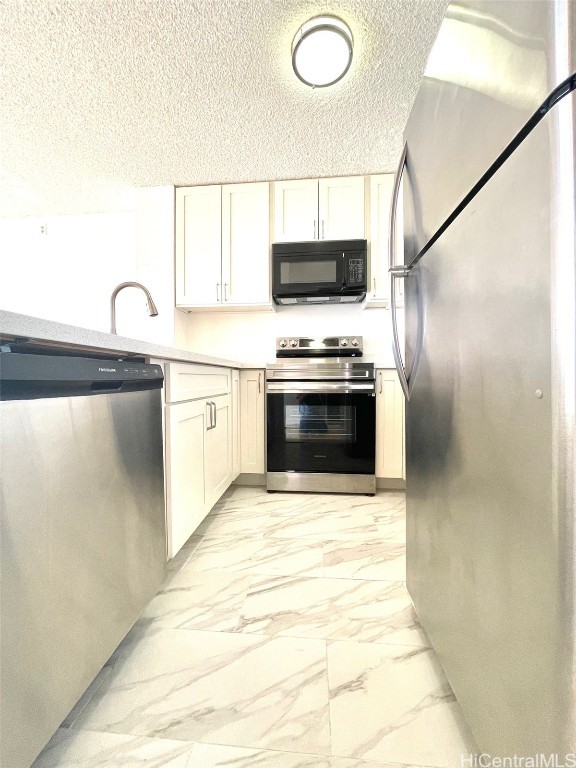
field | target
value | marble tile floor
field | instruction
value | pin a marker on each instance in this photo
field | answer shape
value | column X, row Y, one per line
column 283, row 637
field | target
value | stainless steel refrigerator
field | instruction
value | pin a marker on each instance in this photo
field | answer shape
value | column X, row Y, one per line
column 489, row 366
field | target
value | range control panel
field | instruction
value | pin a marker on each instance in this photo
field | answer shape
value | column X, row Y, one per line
column 331, row 346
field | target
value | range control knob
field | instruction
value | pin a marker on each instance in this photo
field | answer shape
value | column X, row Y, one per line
column 355, row 342
column 344, row 342
column 293, row 342
column 282, row 343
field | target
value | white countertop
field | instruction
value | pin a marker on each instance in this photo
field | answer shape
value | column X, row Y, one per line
column 49, row 332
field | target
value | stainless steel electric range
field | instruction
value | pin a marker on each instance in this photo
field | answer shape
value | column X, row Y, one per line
column 321, row 417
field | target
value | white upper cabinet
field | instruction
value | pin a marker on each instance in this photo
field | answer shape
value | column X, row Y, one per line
column 295, row 210
column 341, row 208
column 381, row 187
column 198, row 245
column 319, row 209
column 380, row 198
column 246, row 243
column 223, row 246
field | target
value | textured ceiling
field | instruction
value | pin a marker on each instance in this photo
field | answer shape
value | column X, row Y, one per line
column 99, row 96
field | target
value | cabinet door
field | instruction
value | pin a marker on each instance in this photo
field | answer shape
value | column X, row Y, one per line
column 185, row 445
column 218, row 456
column 380, row 199
column 252, row 422
column 198, row 246
column 235, row 424
column 295, row 210
column 246, row 243
column 341, row 208
column 389, row 425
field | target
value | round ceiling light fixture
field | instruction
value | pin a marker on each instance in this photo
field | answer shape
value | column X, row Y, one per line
column 322, row 51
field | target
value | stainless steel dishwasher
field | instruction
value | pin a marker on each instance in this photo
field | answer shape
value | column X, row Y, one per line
column 83, row 545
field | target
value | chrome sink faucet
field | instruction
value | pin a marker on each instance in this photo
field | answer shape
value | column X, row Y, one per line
column 152, row 311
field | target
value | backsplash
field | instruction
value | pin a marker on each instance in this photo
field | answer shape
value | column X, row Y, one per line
column 251, row 336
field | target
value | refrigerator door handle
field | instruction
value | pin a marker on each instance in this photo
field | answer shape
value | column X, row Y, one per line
column 394, row 208
column 398, row 272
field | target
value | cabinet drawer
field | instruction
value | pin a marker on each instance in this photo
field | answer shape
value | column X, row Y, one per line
column 185, row 381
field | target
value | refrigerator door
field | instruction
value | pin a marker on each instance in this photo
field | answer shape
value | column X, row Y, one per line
column 493, row 64
column 490, row 448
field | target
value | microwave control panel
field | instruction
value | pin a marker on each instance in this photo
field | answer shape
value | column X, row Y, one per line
column 356, row 272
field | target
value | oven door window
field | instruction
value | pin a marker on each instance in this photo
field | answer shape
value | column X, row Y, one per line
column 312, row 422
column 321, row 432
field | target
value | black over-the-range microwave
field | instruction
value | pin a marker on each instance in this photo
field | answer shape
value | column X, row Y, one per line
column 319, row 272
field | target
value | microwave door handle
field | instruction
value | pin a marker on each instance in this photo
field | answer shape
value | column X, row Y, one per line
column 343, row 271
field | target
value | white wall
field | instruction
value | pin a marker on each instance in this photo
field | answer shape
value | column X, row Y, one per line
column 68, row 273
column 153, row 267
column 251, row 336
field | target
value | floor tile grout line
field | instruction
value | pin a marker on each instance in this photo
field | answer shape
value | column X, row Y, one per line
column 298, row 577
column 192, row 744
column 327, row 640
column 370, row 763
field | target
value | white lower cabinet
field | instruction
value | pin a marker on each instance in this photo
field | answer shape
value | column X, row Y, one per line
column 252, row 427
column 389, row 425
column 235, row 424
column 199, row 435
column 186, row 425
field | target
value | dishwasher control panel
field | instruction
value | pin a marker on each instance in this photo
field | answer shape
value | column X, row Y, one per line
column 36, row 376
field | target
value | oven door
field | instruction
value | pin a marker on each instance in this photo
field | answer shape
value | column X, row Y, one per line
column 321, row 427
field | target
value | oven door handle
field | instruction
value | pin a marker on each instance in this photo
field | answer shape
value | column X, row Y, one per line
column 319, row 387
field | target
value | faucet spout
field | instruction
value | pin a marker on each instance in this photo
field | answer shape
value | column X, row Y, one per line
column 152, row 310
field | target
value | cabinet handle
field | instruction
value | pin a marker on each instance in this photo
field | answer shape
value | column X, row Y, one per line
column 322, row 238
column 374, row 283
column 209, row 406
column 380, row 373
column 259, row 384
column 314, row 238
column 225, row 291
column 215, row 415
column 218, row 292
